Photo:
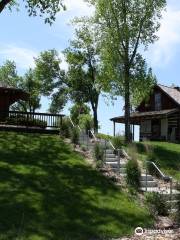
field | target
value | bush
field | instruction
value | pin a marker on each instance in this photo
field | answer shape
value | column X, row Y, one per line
column 65, row 128
column 86, row 122
column 118, row 141
column 20, row 120
column 133, row 174
column 75, row 136
column 156, row 203
column 104, row 136
column 98, row 155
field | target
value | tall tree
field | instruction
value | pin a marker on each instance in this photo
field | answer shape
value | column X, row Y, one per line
column 84, row 73
column 52, row 79
column 47, row 9
column 8, row 74
column 124, row 26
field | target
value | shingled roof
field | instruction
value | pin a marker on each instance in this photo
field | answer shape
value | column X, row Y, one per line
column 173, row 92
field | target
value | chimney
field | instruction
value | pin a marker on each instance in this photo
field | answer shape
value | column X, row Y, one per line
column 177, row 88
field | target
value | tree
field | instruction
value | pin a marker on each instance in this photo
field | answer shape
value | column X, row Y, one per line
column 77, row 110
column 52, row 79
column 8, row 74
column 84, row 73
column 124, row 26
column 45, row 8
column 33, row 86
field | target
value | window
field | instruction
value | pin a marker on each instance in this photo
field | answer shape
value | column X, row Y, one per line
column 158, row 101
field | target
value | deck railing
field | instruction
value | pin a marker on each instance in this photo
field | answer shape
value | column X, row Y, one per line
column 30, row 119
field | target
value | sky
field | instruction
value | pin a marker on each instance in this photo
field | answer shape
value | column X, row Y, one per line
column 23, row 38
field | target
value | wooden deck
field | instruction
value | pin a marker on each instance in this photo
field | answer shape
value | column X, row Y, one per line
column 28, row 122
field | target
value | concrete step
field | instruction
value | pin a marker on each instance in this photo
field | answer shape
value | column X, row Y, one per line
column 110, row 155
column 115, row 164
column 109, row 151
column 111, row 159
column 149, row 177
column 150, row 184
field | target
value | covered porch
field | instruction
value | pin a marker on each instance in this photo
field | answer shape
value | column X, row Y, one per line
column 154, row 125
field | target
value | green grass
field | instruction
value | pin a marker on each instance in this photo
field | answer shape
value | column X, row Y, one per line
column 166, row 155
column 48, row 192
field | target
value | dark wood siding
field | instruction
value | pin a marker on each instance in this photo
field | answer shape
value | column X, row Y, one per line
column 166, row 102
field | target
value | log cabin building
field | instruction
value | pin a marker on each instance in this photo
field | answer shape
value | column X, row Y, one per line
column 159, row 117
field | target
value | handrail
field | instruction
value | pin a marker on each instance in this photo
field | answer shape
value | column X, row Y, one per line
column 93, row 135
column 32, row 113
column 74, row 124
column 112, row 144
column 160, row 172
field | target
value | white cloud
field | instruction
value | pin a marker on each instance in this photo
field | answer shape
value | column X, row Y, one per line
column 78, row 7
column 23, row 57
column 163, row 51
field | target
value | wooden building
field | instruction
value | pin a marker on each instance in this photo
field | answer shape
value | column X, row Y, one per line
column 10, row 95
column 159, row 117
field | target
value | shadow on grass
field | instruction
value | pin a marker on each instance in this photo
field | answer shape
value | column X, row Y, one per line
column 166, row 155
column 47, row 192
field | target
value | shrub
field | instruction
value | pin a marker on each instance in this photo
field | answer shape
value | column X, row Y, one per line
column 65, row 128
column 86, row 122
column 20, row 120
column 104, row 136
column 98, row 155
column 84, row 148
column 75, row 136
column 118, row 141
column 133, row 174
column 156, row 203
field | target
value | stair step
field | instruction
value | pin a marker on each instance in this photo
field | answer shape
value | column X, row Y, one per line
column 110, row 155
column 109, row 151
column 149, row 177
column 151, row 184
column 115, row 164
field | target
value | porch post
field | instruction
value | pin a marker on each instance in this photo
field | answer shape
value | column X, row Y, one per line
column 114, row 128
column 133, row 133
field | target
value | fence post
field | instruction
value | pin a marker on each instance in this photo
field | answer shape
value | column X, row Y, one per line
column 87, row 139
column 105, row 146
column 171, row 186
column 146, row 175
column 119, row 159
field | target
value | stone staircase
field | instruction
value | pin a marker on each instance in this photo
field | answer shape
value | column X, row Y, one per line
column 118, row 166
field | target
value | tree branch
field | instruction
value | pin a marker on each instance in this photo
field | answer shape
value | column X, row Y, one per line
column 3, row 4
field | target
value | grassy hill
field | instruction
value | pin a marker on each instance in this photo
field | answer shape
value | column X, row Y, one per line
column 166, row 155
column 48, row 192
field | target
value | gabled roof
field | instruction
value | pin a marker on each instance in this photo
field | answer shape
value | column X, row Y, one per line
column 136, row 117
column 172, row 92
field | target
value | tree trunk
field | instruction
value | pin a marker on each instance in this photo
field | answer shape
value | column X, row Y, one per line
column 127, row 107
column 95, row 120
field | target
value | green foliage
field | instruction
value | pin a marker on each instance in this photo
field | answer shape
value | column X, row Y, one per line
column 104, row 136
column 8, row 74
column 46, row 185
column 123, row 27
column 118, row 141
column 52, row 78
column 77, row 110
column 84, row 73
column 86, row 122
column 43, row 8
column 133, row 174
column 65, row 129
column 98, row 155
column 24, row 121
column 75, row 135
column 157, row 204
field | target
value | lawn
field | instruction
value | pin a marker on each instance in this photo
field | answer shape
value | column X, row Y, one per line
column 48, row 192
column 166, row 155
